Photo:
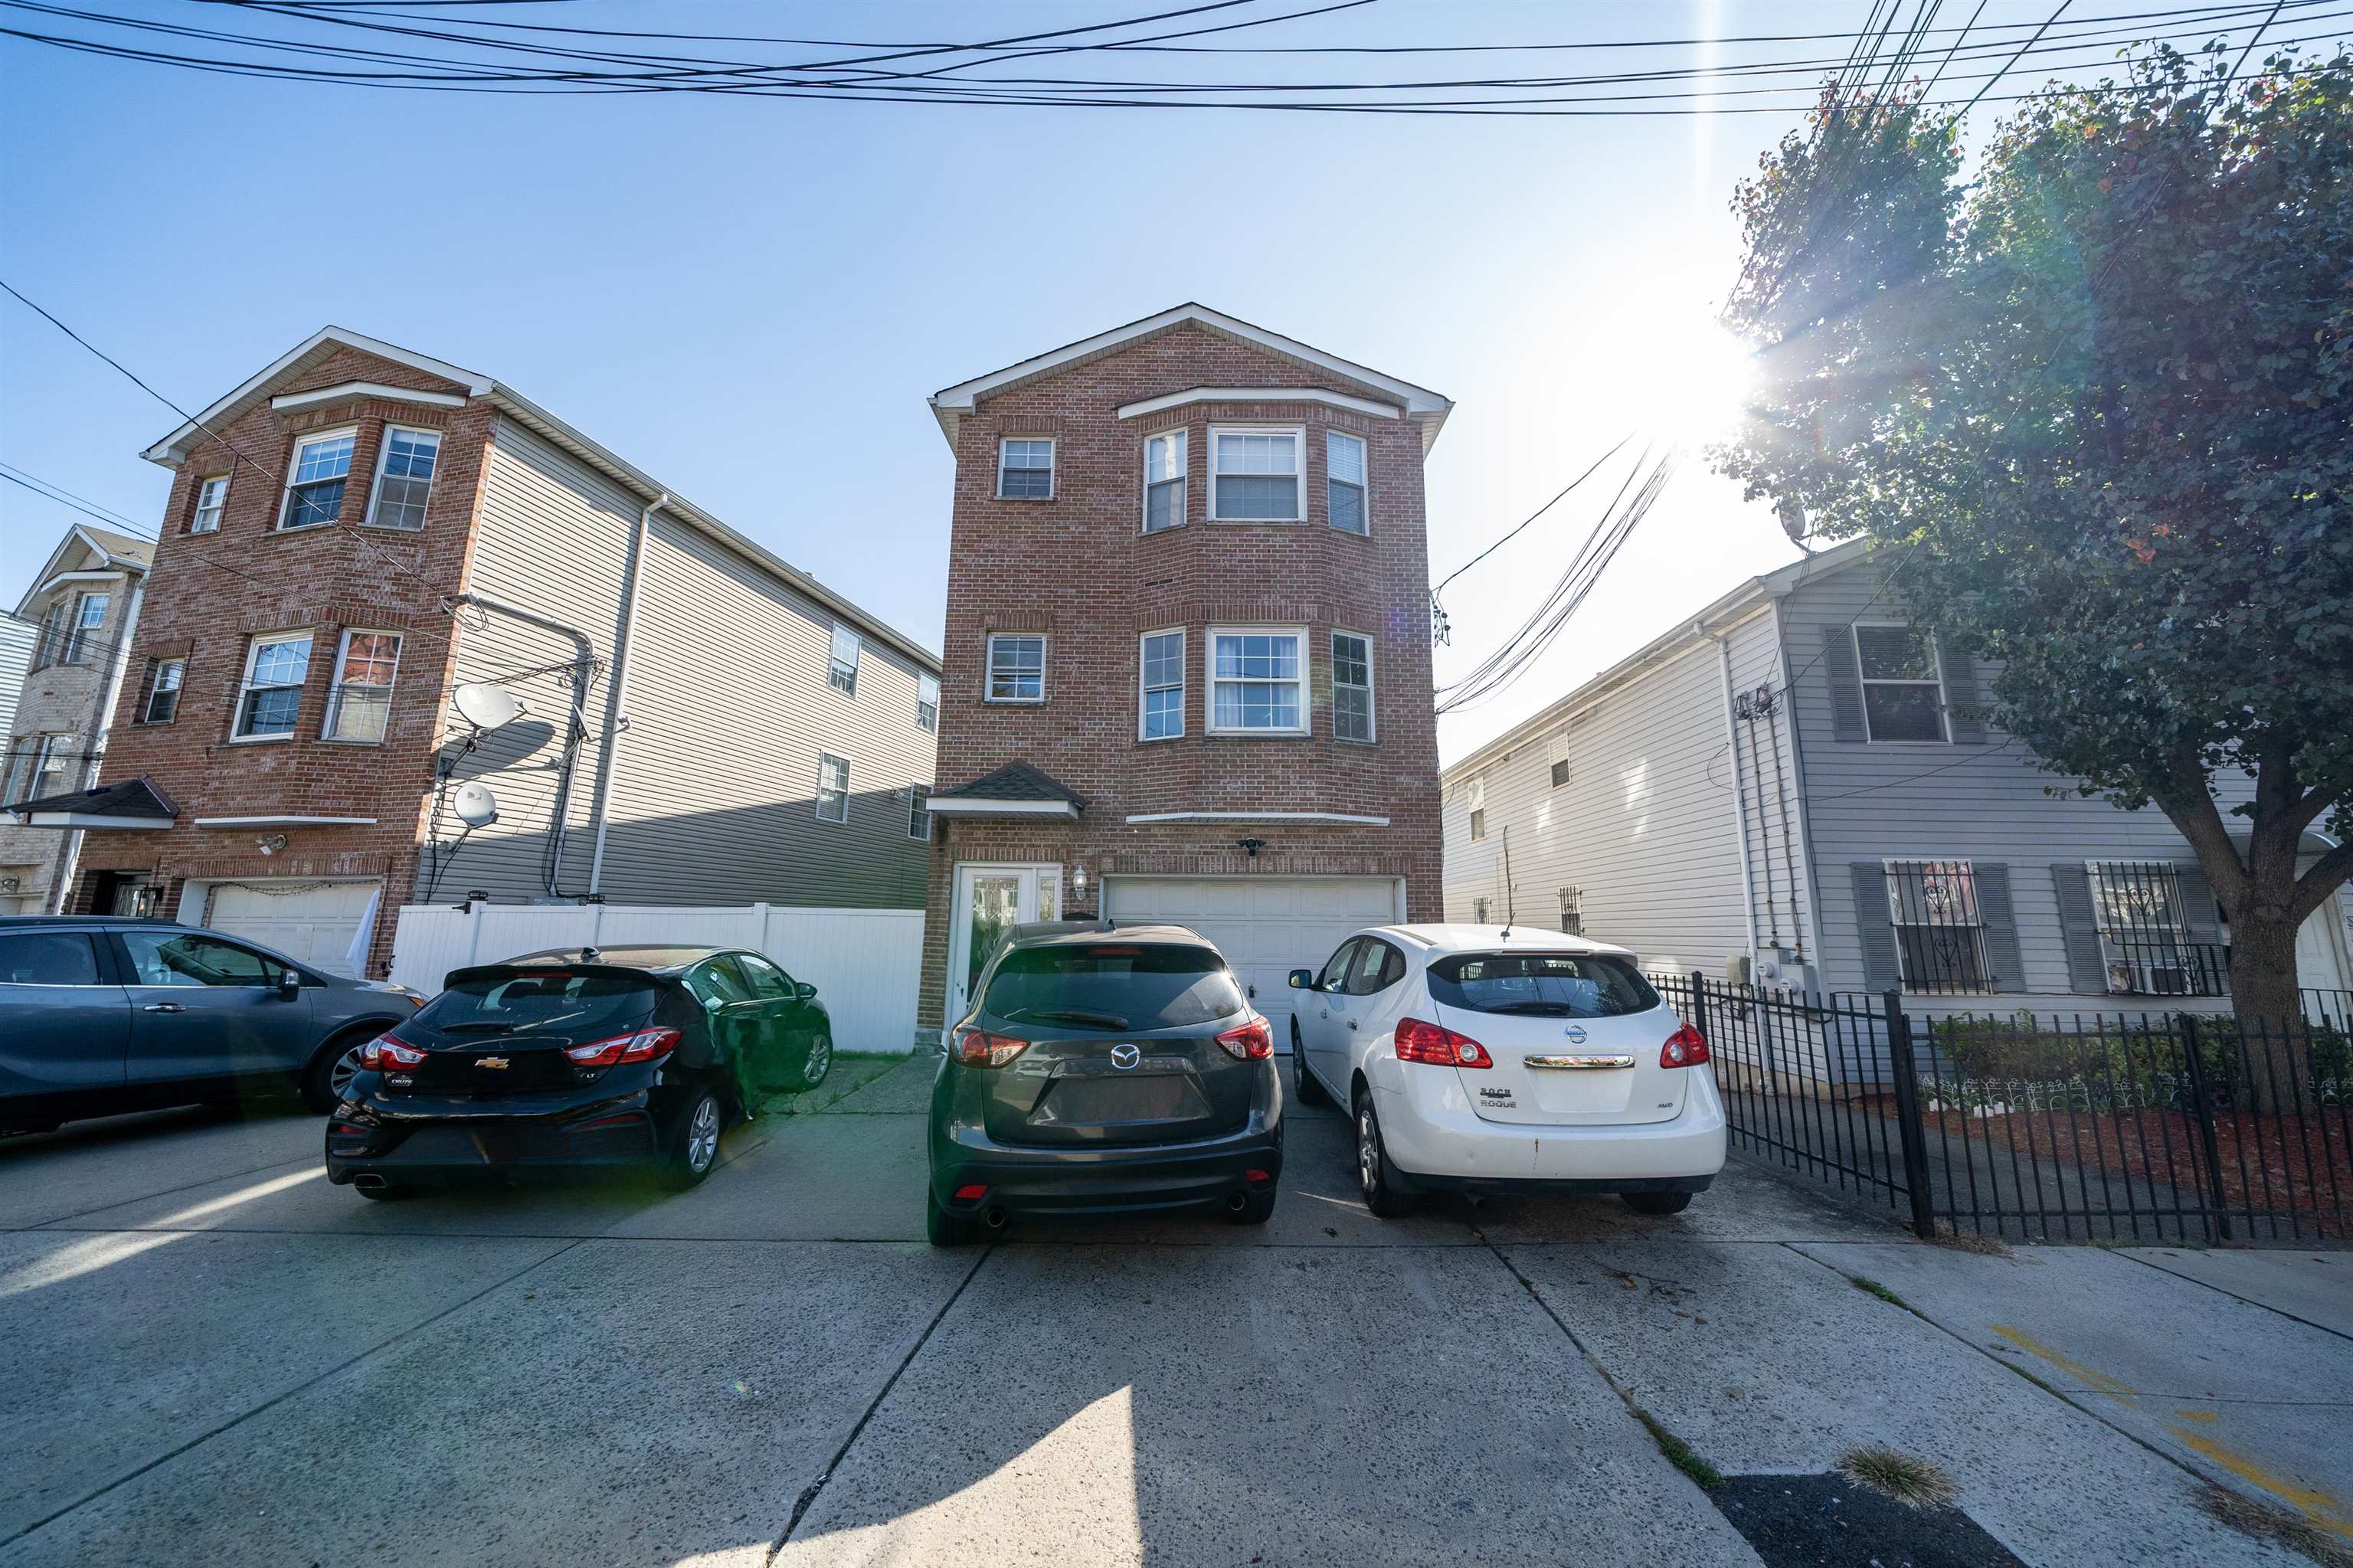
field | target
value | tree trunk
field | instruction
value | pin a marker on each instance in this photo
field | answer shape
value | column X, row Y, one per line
column 2265, row 996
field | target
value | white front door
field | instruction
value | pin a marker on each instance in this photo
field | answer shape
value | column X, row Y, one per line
column 2320, row 952
column 989, row 900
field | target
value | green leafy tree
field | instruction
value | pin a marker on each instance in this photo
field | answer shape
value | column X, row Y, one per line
column 2096, row 402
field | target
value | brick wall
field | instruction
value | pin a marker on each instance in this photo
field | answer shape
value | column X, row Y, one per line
column 209, row 593
column 1079, row 570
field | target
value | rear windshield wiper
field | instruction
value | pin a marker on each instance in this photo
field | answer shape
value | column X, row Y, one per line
column 478, row 1028
column 1071, row 1015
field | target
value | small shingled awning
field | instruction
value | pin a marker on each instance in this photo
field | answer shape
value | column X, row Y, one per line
column 136, row 804
column 1016, row 789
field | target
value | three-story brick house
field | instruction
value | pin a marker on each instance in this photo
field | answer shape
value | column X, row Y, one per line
column 1188, row 650
column 358, row 532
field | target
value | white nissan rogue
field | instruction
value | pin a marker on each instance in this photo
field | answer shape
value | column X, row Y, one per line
column 1488, row 1058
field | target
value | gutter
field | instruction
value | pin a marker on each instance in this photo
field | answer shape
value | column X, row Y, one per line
column 552, row 865
column 616, row 689
column 1739, row 801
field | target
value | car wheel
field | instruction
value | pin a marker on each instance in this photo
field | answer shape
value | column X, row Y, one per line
column 1256, row 1210
column 1657, row 1203
column 1374, row 1172
column 330, row 1075
column 1302, row 1082
column 697, row 1149
column 943, row 1229
column 818, row 1062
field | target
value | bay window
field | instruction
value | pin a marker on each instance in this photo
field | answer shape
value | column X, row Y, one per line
column 1164, row 481
column 1257, row 682
column 1254, row 475
column 1163, row 673
column 271, row 693
column 315, row 480
column 405, row 477
column 1343, row 482
column 360, row 700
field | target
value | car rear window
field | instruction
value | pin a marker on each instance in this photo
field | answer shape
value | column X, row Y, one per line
column 1541, row 985
column 1113, row 985
column 47, row 958
column 557, row 1001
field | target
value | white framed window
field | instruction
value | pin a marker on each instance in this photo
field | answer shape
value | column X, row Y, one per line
column 1903, row 683
column 21, row 750
column 269, row 698
column 832, row 788
column 1258, row 680
column 404, row 477
column 1164, row 481
column 315, row 480
column 927, row 702
column 1352, row 687
column 1478, row 804
column 1017, row 668
column 52, row 765
column 1160, row 714
column 1254, row 473
column 1025, row 468
column 841, row 669
column 52, row 644
column 164, row 692
column 88, row 619
column 1343, row 482
column 212, row 500
column 919, row 812
column 360, row 700
column 1939, row 929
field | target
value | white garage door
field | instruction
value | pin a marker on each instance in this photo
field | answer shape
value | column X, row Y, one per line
column 306, row 921
column 1266, row 925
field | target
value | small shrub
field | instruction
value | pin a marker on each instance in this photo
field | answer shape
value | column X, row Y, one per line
column 1891, row 1472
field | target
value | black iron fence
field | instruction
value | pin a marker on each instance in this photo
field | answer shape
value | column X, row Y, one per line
column 2106, row 1126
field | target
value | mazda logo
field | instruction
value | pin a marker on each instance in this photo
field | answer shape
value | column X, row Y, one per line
column 1126, row 1056
column 1574, row 1033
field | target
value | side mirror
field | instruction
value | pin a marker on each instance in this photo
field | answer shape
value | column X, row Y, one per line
column 1302, row 980
column 805, row 991
column 290, row 983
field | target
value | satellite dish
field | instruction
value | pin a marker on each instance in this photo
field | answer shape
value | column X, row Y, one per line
column 487, row 706
column 475, row 805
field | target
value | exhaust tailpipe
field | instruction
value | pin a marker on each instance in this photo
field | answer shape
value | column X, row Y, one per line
column 995, row 1218
column 1234, row 1204
column 368, row 1182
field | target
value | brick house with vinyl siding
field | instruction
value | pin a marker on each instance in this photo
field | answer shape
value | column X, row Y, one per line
column 1273, row 836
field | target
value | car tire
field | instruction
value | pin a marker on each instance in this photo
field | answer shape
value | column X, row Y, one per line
column 1657, row 1203
column 1376, row 1176
column 329, row 1072
column 1302, row 1082
column 1256, row 1210
column 817, row 1061
column 943, row 1229
column 695, row 1150
column 387, row 1193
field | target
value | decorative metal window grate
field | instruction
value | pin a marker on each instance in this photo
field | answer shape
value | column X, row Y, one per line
column 1939, row 931
column 2144, row 927
column 1572, row 911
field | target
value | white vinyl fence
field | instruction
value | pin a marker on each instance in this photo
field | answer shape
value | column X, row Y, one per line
column 865, row 963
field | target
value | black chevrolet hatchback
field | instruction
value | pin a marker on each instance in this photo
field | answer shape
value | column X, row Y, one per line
column 614, row 1057
column 1104, row 1069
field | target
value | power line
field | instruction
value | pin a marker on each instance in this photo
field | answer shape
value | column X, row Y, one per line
column 2019, row 56
column 47, row 491
column 1532, row 516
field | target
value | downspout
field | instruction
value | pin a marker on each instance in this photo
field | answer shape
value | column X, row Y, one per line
column 1739, row 799
column 616, row 690
column 100, row 732
column 1813, row 885
column 553, row 863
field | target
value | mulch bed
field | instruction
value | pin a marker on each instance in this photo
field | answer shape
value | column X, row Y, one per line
column 2267, row 1163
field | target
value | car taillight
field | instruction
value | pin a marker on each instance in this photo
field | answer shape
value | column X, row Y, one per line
column 1419, row 1042
column 389, row 1052
column 642, row 1046
column 1686, row 1047
column 1252, row 1041
column 979, row 1048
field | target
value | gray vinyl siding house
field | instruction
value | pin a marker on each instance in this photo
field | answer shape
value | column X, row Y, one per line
column 1739, row 798
column 696, row 781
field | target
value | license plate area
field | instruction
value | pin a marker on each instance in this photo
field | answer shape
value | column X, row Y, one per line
column 1096, row 1093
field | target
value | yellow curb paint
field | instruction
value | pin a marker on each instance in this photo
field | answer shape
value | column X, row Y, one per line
column 2199, row 1415
column 2099, row 1381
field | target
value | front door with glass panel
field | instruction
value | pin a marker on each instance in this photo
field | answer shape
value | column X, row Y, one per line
column 990, row 901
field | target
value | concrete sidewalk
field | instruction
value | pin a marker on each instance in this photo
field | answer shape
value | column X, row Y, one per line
column 220, row 1358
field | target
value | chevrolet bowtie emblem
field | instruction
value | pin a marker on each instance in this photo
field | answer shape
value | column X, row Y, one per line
column 498, row 1062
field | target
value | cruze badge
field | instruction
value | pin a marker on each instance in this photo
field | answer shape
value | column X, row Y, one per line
column 1574, row 1033
column 1126, row 1056
column 497, row 1062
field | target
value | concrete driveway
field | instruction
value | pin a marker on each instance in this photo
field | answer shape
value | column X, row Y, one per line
column 216, row 1357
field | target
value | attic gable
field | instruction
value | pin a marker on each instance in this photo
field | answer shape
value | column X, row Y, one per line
column 331, row 362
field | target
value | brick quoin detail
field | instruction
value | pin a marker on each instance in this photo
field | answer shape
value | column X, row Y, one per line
column 1079, row 570
column 209, row 593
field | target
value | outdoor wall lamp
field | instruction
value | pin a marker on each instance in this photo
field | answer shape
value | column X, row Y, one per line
column 271, row 843
column 1079, row 881
column 1251, row 846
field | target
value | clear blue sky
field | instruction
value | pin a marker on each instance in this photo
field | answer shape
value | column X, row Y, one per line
column 752, row 298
